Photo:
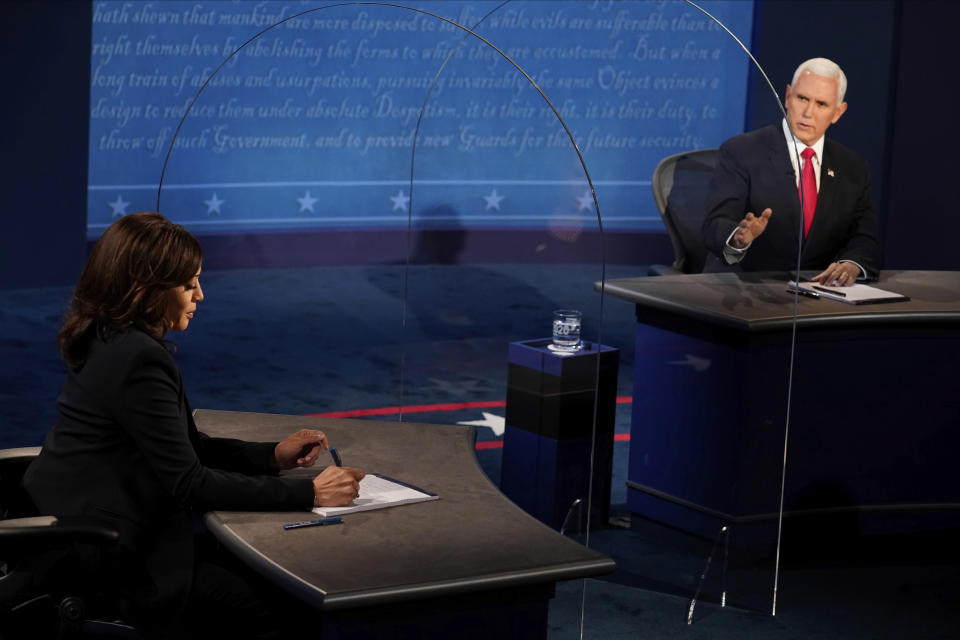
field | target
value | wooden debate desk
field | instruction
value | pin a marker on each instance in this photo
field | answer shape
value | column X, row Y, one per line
column 874, row 412
column 468, row 565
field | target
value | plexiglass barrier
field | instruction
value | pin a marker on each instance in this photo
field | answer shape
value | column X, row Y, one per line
column 394, row 200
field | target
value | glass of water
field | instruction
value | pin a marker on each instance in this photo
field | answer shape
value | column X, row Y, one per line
column 566, row 330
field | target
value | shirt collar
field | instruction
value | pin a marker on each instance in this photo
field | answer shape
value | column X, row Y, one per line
column 800, row 146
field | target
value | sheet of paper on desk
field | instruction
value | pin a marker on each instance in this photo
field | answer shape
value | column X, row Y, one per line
column 854, row 294
column 378, row 492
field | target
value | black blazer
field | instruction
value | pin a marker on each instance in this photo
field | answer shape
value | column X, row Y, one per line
column 125, row 451
column 754, row 172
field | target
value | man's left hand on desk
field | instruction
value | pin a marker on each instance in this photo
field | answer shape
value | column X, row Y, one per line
column 841, row 274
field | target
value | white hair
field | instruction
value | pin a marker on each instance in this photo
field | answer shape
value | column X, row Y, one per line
column 827, row 69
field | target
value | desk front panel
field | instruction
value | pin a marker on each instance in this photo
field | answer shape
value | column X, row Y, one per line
column 874, row 420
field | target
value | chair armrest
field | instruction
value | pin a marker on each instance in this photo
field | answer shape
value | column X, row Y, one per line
column 19, row 453
column 43, row 533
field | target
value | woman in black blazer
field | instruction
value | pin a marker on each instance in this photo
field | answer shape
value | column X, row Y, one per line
column 125, row 450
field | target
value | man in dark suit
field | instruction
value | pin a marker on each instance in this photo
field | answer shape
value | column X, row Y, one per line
column 804, row 186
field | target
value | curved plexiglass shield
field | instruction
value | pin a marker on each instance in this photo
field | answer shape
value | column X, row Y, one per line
column 709, row 382
column 397, row 151
column 506, row 244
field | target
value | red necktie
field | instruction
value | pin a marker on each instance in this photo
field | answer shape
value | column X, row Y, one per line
column 808, row 190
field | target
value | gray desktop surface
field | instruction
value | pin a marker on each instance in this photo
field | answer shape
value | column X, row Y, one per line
column 759, row 302
column 471, row 539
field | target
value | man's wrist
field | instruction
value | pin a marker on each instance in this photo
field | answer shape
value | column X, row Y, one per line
column 731, row 254
column 862, row 275
column 733, row 247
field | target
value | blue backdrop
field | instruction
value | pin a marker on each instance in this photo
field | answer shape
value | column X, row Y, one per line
column 310, row 125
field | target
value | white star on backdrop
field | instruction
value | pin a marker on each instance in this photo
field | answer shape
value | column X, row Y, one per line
column 585, row 201
column 213, row 204
column 493, row 201
column 498, row 424
column 400, row 201
column 698, row 364
column 119, row 206
column 306, row 203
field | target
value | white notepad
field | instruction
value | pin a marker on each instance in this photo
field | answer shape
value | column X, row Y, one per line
column 854, row 294
column 379, row 492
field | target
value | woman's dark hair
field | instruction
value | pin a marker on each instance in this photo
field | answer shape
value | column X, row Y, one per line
column 127, row 281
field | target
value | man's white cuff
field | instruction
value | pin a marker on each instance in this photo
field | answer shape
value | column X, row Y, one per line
column 730, row 253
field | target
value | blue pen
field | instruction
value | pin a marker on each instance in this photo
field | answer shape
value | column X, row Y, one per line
column 336, row 457
column 313, row 523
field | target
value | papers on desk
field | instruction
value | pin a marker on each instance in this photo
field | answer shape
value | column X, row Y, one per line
column 854, row 294
column 378, row 492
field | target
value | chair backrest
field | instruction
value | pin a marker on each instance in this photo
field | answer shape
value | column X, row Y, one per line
column 14, row 502
column 35, row 598
column 680, row 186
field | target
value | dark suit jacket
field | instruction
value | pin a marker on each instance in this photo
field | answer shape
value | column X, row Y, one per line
column 125, row 452
column 754, row 172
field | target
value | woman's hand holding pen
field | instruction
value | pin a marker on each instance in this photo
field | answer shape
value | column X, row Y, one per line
column 336, row 486
column 300, row 449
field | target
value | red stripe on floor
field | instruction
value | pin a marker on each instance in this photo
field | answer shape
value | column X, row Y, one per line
column 449, row 406
column 412, row 408
column 424, row 408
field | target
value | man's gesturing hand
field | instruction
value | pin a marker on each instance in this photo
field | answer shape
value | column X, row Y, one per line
column 749, row 228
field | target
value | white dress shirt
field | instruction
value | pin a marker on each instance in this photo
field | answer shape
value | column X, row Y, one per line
column 794, row 143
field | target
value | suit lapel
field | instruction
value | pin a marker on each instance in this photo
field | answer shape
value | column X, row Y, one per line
column 780, row 162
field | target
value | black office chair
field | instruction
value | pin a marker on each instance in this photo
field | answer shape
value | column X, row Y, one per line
column 35, row 599
column 680, row 186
